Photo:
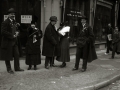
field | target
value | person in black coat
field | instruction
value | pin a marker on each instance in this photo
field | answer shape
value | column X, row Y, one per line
column 33, row 51
column 116, row 43
column 51, row 47
column 109, row 35
column 85, row 45
column 64, row 30
column 9, row 43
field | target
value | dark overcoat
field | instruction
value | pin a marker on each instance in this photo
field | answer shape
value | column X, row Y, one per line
column 51, row 45
column 108, row 30
column 33, row 48
column 7, row 40
column 86, row 38
column 116, row 42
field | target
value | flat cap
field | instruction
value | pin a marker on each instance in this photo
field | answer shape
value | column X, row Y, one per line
column 53, row 18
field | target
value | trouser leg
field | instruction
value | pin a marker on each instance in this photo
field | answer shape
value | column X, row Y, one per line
column 8, row 65
column 113, row 51
column 109, row 46
column 51, row 61
column 84, row 65
column 107, row 51
column 16, row 58
column 77, row 58
column 35, row 66
column 47, row 60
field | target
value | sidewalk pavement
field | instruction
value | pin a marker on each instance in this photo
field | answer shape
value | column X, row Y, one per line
column 100, row 73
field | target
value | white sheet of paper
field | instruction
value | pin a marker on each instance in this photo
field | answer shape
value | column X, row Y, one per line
column 109, row 37
column 64, row 30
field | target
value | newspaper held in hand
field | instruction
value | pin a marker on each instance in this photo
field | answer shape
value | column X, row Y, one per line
column 64, row 30
column 109, row 37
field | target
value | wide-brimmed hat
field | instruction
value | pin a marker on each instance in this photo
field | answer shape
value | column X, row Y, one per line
column 11, row 10
column 53, row 18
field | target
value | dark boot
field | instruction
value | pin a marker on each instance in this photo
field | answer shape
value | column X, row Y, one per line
column 35, row 67
column 63, row 65
column 29, row 68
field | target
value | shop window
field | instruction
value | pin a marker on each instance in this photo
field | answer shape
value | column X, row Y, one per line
column 101, row 20
column 72, row 14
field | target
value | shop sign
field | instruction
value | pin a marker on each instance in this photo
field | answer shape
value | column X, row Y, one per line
column 26, row 19
column 74, row 13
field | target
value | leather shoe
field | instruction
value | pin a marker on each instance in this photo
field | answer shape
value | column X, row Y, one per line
column 35, row 68
column 47, row 67
column 10, row 71
column 74, row 69
column 53, row 65
column 19, row 70
column 29, row 68
column 83, row 70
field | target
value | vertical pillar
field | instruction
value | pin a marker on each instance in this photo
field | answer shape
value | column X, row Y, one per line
column 91, row 13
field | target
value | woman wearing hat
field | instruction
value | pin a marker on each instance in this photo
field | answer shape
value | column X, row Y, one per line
column 33, row 56
column 64, row 44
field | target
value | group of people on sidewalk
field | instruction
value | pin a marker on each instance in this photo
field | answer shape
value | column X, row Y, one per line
column 112, row 40
column 55, row 44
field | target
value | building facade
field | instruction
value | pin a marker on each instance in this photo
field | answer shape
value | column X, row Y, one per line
column 98, row 12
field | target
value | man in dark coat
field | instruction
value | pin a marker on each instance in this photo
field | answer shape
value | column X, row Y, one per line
column 9, row 43
column 51, row 46
column 109, row 32
column 85, row 45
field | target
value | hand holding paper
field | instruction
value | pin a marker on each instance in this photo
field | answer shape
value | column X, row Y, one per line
column 64, row 30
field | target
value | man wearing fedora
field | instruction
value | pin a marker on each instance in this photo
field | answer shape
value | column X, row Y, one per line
column 9, row 42
column 51, row 46
column 85, row 45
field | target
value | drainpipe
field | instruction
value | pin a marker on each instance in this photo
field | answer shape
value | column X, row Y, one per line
column 116, row 12
column 44, row 6
column 64, row 3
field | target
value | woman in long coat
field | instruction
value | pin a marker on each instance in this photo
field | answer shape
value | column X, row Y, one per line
column 64, row 44
column 33, row 51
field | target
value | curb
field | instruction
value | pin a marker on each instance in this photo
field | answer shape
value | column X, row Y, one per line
column 101, row 84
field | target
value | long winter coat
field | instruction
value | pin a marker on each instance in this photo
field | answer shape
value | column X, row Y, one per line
column 86, row 38
column 7, row 40
column 51, row 45
column 116, row 42
column 33, row 50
